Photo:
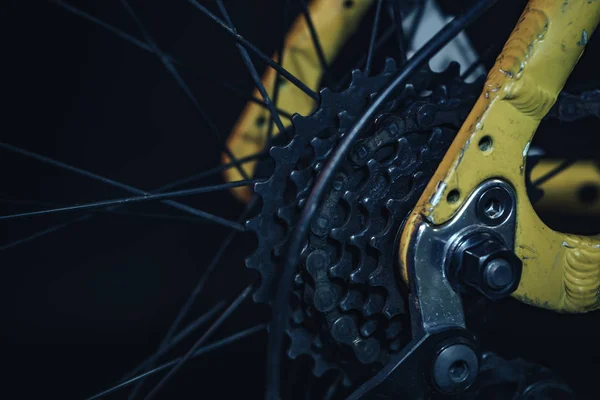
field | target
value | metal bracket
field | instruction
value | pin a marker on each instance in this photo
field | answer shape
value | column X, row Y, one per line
column 442, row 357
column 439, row 306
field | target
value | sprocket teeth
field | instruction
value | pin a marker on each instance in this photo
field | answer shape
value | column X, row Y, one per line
column 298, row 317
column 345, row 121
column 452, row 70
column 390, row 66
column 301, row 342
column 352, row 301
column 327, row 98
column 286, row 213
column 357, row 75
column 373, row 305
column 276, row 152
column 365, row 285
column 299, row 122
column 368, row 328
column 409, row 90
column 251, row 224
column 342, row 269
column 300, row 178
column 322, row 147
column 393, row 329
column 321, row 367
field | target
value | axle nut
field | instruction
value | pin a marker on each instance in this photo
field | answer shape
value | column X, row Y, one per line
column 482, row 262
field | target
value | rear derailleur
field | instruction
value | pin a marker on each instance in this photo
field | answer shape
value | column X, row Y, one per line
column 469, row 254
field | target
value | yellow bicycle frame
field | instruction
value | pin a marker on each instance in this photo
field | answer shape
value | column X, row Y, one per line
column 561, row 271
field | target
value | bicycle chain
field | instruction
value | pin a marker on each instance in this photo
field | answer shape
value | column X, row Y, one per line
column 571, row 107
column 348, row 309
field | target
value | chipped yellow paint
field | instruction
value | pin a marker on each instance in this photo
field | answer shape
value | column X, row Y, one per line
column 560, row 271
column 334, row 22
column 562, row 193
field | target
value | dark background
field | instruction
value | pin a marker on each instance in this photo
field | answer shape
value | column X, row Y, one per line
column 83, row 305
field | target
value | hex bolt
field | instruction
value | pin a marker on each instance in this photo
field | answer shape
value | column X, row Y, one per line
column 499, row 273
column 455, row 368
column 362, row 152
column 494, row 206
column 481, row 261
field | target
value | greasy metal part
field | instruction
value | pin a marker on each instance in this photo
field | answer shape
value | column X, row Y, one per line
column 560, row 271
column 351, row 301
column 571, row 107
column 455, row 368
column 481, row 261
column 410, row 373
column 334, row 21
column 501, row 379
column 436, row 309
column 433, row 252
column 575, row 191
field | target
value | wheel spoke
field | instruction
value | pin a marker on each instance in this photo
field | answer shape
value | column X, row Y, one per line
column 144, row 198
column 204, row 278
column 186, row 89
column 316, row 41
column 185, row 332
column 332, row 389
column 123, row 35
column 42, row 232
column 241, row 94
column 253, row 72
column 277, row 84
column 240, row 39
column 373, row 37
column 553, row 172
column 415, row 25
column 387, row 34
column 210, row 172
column 166, row 346
column 397, row 13
column 234, row 305
column 145, row 46
column 111, row 182
column 67, row 167
column 202, row 350
column 111, row 211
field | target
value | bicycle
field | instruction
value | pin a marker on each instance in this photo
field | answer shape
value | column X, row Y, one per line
column 390, row 150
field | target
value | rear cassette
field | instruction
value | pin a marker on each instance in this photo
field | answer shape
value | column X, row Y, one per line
column 348, row 306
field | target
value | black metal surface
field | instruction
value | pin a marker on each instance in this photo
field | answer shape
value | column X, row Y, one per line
column 571, row 107
column 409, row 373
column 482, row 261
column 518, row 379
column 346, row 292
column 281, row 311
column 397, row 16
column 455, row 367
column 86, row 303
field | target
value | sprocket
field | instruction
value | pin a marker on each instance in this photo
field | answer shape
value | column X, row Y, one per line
column 348, row 307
